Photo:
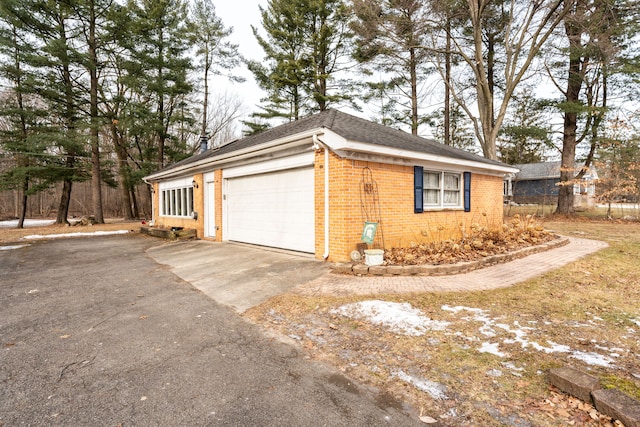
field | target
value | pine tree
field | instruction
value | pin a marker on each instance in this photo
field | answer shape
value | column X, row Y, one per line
column 91, row 17
column 391, row 40
column 55, row 65
column 157, row 67
column 217, row 55
column 526, row 133
column 596, row 35
column 19, row 112
column 306, row 45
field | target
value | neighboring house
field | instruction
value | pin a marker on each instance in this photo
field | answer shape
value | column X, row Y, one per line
column 538, row 183
column 309, row 186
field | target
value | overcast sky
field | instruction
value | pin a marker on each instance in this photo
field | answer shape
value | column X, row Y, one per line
column 241, row 15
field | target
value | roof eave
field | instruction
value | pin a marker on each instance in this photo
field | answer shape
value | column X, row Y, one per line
column 339, row 144
column 275, row 145
column 335, row 142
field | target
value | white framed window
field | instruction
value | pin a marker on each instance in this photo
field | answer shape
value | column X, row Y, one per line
column 176, row 198
column 442, row 190
column 507, row 188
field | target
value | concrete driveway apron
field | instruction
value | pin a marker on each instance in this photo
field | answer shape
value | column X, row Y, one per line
column 239, row 276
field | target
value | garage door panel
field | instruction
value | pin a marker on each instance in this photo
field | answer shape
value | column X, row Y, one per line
column 274, row 209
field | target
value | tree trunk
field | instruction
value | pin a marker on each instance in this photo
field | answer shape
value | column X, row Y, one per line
column 123, row 172
column 125, row 194
column 414, row 92
column 567, row 173
column 23, row 204
column 205, row 102
column 161, row 112
column 570, row 128
column 23, row 128
column 69, row 118
column 447, row 87
column 65, row 200
column 96, row 181
column 134, row 201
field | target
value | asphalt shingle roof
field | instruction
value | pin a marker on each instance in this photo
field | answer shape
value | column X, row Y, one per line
column 543, row 170
column 349, row 127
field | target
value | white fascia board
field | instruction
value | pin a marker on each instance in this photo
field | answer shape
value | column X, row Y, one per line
column 278, row 164
column 216, row 161
column 364, row 151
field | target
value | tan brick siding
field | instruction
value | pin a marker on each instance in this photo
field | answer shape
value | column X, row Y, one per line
column 399, row 225
column 190, row 223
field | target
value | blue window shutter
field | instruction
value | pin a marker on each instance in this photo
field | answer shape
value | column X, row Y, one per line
column 418, row 185
column 467, row 191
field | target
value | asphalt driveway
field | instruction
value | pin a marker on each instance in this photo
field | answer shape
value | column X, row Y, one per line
column 95, row 332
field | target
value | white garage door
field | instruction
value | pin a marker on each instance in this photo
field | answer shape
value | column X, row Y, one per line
column 273, row 209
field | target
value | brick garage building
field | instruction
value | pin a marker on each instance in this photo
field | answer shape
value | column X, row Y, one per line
column 310, row 185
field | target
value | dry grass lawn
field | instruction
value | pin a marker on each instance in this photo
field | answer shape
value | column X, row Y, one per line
column 112, row 224
column 488, row 366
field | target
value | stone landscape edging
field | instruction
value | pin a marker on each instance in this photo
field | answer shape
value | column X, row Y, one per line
column 611, row 402
column 361, row 269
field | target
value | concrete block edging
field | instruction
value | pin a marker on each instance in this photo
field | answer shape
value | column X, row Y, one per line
column 611, row 402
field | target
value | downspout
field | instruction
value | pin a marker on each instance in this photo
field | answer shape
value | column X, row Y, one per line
column 153, row 205
column 317, row 144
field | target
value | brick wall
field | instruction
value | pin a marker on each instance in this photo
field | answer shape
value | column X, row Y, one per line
column 190, row 223
column 399, row 225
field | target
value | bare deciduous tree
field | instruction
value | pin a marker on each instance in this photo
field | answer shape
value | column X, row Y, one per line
column 498, row 54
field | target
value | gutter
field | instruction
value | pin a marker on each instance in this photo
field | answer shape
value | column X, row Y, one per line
column 317, row 144
column 275, row 145
column 153, row 205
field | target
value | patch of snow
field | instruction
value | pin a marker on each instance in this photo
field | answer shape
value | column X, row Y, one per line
column 591, row 358
column 515, row 370
column 400, row 318
column 12, row 223
column 459, row 308
column 494, row 373
column 8, row 248
column 59, row 236
column 617, row 349
column 519, row 333
column 519, row 336
column 555, row 348
column 491, row 348
column 432, row 388
column 636, row 321
column 479, row 315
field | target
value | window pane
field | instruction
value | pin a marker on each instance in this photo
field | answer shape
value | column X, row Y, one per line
column 431, row 197
column 185, row 202
column 452, row 198
column 190, row 201
column 451, row 181
column 432, row 180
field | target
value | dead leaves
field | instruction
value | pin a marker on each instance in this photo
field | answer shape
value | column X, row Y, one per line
column 569, row 410
column 482, row 242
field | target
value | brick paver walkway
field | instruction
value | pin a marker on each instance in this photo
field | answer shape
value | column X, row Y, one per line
column 493, row 277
